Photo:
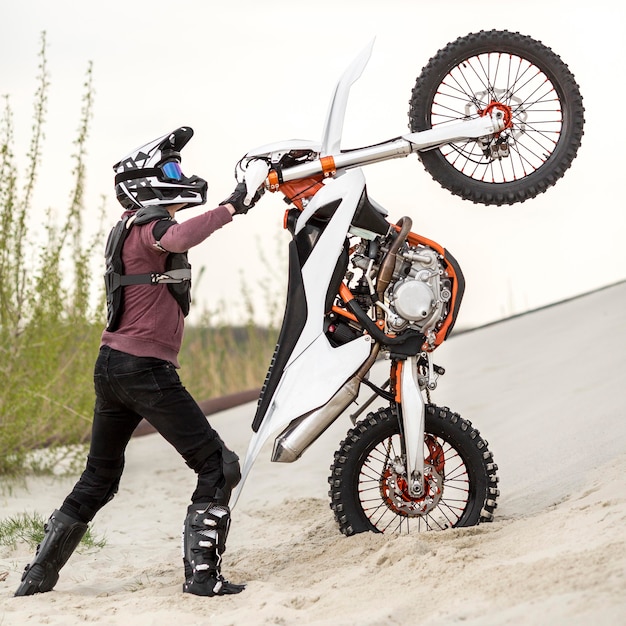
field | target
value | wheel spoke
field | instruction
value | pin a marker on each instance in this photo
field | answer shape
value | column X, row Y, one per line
column 390, row 509
column 369, row 487
column 535, row 108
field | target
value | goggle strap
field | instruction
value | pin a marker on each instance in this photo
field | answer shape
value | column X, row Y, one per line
column 133, row 174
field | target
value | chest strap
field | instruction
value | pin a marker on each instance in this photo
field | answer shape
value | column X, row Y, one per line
column 156, row 278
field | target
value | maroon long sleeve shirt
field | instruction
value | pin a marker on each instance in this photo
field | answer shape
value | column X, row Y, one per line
column 152, row 323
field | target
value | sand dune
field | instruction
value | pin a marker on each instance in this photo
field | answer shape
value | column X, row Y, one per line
column 547, row 391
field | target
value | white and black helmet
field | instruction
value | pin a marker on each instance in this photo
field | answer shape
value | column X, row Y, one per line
column 151, row 175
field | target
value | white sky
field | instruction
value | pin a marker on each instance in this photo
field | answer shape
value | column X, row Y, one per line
column 246, row 73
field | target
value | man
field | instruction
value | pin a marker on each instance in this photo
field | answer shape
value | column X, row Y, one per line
column 148, row 295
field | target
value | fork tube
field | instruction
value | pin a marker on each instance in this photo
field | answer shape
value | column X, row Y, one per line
column 412, row 406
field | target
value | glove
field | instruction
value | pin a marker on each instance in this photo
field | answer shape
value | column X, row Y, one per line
column 237, row 199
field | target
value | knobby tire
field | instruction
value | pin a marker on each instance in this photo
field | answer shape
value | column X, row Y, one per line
column 360, row 476
column 522, row 77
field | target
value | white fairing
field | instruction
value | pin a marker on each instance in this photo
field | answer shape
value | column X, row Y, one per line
column 319, row 267
column 333, row 129
column 316, row 369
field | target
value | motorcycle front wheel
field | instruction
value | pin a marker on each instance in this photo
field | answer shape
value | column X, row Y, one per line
column 540, row 101
column 368, row 487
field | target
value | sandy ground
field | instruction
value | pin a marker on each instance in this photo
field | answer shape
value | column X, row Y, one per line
column 547, row 391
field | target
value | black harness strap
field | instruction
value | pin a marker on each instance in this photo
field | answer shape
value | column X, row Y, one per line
column 170, row 277
column 177, row 274
column 133, row 174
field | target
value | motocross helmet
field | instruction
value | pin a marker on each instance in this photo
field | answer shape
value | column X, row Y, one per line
column 151, row 175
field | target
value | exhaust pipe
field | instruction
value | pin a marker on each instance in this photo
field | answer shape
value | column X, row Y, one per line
column 304, row 430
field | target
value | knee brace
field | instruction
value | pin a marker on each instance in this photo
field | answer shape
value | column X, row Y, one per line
column 218, row 471
column 232, row 474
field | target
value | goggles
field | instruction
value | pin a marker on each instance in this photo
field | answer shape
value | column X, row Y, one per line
column 171, row 171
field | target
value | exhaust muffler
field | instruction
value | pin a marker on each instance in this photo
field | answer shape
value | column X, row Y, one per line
column 304, row 430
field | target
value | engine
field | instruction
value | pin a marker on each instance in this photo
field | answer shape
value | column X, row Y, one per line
column 419, row 294
column 420, row 291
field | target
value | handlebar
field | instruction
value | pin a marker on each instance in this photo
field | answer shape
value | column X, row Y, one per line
column 257, row 168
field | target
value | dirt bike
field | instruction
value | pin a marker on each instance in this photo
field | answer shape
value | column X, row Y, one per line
column 496, row 118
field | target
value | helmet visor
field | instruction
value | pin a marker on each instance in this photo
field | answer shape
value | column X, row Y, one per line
column 171, row 171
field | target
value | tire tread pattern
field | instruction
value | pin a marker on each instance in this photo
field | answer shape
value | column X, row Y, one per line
column 555, row 69
column 367, row 433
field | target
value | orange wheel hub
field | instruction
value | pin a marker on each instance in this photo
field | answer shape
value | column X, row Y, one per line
column 504, row 108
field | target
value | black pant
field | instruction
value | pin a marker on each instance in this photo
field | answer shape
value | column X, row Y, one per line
column 129, row 388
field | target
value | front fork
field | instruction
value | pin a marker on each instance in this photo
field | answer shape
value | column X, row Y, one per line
column 409, row 390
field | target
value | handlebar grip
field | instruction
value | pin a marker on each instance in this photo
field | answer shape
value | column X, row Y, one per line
column 255, row 174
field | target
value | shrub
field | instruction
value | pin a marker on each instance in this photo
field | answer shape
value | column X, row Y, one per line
column 49, row 332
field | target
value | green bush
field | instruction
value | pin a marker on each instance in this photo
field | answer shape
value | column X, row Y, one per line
column 49, row 332
column 29, row 529
column 222, row 360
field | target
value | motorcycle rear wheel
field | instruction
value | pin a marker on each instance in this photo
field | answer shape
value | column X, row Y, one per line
column 534, row 89
column 368, row 491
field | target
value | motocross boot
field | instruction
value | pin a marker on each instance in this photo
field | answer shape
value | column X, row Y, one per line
column 62, row 534
column 204, row 541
